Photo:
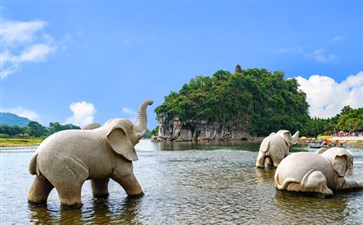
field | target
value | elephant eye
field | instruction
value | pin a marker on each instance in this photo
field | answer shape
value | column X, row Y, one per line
column 131, row 126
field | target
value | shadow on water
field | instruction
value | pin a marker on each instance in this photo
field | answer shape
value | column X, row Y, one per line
column 265, row 175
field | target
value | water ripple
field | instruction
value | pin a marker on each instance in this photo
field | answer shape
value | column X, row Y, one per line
column 221, row 186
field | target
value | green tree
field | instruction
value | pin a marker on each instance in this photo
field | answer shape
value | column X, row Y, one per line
column 255, row 100
column 350, row 119
column 56, row 127
column 37, row 130
column 9, row 131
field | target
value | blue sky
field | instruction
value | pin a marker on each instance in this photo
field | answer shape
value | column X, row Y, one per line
column 84, row 61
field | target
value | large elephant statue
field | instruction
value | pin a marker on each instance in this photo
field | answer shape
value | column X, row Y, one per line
column 321, row 172
column 65, row 160
column 275, row 147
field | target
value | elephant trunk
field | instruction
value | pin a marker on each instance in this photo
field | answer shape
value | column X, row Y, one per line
column 295, row 137
column 141, row 120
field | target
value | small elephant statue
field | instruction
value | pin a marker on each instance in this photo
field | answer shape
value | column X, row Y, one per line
column 275, row 147
column 320, row 173
column 65, row 160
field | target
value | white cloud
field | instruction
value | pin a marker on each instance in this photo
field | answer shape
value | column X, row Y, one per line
column 128, row 111
column 327, row 97
column 14, row 32
column 23, row 42
column 20, row 111
column 337, row 39
column 83, row 113
column 294, row 50
column 321, row 56
column 36, row 53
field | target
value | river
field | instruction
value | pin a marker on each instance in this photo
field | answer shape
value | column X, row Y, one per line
column 184, row 183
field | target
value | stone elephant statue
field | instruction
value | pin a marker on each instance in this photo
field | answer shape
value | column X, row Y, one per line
column 321, row 172
column 275, row 147
column 65, row 160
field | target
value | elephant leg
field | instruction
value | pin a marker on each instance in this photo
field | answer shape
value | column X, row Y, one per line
column 275, row 162
column 39, row 191
column 70, row 195
column 100, row 187
column 269, row 163
column 343, row 184
column 260, row 162
column 315, row 181
column 277, row 157
column 129, row 184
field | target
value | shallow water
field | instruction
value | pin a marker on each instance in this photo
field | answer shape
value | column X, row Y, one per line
column 184, row 183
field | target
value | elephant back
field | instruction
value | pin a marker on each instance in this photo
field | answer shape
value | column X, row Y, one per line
column 265, row 145
column 299, row 164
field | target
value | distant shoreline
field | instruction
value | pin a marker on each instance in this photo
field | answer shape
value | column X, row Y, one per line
column 24, row 142
column 20, row 142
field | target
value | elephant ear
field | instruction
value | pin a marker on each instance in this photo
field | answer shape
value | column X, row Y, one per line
column 120, row 143
column 340, row 164
column 287, row 137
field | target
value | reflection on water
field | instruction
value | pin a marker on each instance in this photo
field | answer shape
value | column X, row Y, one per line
column 207, row 184
column 183, row 146
column 99, row 211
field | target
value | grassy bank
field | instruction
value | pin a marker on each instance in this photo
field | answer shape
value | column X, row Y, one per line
column 18, row 142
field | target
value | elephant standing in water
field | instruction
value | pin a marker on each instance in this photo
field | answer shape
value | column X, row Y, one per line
column 321, row 172
column 65, row 160
column 275, row 147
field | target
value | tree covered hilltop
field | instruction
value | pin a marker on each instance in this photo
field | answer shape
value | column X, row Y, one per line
column 247, row 103
column 252, row 102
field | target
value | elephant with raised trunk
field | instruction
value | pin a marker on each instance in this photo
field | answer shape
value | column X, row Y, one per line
column 321, row 172
column 65, row 160
column 275, row 148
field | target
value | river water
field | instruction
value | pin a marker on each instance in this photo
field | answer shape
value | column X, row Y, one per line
column 184, row 183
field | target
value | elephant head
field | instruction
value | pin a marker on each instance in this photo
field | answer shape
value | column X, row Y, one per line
column 123, row 135
column 290, row 140
column 341, row 159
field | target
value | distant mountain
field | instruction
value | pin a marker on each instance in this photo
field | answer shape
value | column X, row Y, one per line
column 11, row 119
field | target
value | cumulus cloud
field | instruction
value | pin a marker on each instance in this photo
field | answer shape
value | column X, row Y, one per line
column 23, row 42
column 20, row 111
column 83, row 113
column 327, row 97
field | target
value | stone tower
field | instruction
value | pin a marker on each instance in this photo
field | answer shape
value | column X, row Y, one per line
column 238, row 69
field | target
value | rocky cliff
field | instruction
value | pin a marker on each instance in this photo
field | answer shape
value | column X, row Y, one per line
column 172, row 129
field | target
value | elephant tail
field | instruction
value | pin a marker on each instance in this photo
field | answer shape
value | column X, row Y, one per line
column 33, row 164
column 265, row 145
column 284, row 184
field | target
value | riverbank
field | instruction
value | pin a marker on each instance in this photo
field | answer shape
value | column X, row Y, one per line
column 350, row 140
column 347, row 140
column 20, row 142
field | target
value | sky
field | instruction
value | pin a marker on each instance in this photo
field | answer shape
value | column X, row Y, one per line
column 84, row 61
